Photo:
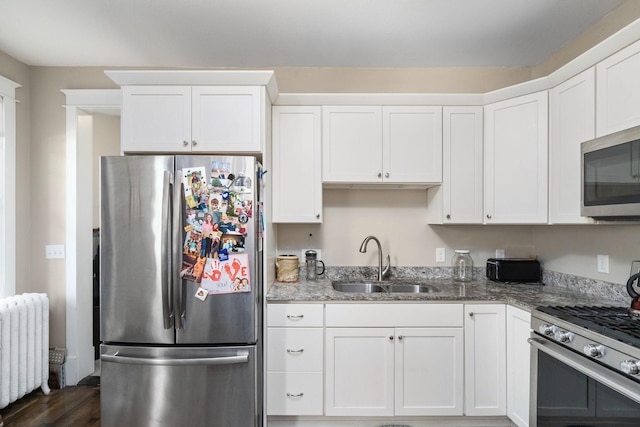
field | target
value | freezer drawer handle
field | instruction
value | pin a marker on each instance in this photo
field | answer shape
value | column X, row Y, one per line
column 242, row 357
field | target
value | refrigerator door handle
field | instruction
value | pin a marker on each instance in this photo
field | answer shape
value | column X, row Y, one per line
column 167, row 265
column 177, row 289
column 241, row 357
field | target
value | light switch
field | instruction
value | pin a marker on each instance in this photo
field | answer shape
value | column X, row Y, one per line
column 54, row 251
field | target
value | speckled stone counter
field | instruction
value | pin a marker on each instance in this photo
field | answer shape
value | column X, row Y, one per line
column 443, row 289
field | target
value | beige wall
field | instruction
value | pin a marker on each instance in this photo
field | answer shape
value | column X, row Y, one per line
column 106, row 142
column 19, row 73
column 397, row 217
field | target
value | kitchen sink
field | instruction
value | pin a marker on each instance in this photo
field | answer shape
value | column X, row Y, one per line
column 370, row 287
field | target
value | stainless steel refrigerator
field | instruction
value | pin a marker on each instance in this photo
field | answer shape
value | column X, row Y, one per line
column 181, row 291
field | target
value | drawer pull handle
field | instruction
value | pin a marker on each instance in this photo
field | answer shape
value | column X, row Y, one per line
column 295, row 395
column 295, row 351
column 295, row 316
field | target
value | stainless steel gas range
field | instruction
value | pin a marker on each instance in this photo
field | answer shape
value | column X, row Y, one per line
column 585, row 367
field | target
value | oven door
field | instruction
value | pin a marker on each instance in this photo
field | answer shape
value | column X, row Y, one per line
column 568, row 390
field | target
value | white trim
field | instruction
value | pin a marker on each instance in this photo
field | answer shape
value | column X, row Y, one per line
column 79, row 257
column 8, row 169
column 197, row 78
column 401, row 99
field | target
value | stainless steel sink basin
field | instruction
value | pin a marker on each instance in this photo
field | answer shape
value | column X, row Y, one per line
column 358, row 287
column 410, row 288
column 369, row 287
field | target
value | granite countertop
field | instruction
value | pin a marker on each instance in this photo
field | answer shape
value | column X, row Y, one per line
column 525, row 296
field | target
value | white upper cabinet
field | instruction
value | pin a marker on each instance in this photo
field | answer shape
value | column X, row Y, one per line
column 618, row 91
column 572, row 106
column 459, row 199
column 227, row 118
column 297, row 163
column 515, row 161
column 412, row 144
column 351, row 144
column 373, row 144
column 156, row 118
column 192, row 118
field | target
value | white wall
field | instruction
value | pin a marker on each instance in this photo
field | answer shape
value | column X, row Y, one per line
column 398, row 219
column 106, row 142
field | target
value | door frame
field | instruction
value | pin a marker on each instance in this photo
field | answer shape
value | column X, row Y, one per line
column 79, row 104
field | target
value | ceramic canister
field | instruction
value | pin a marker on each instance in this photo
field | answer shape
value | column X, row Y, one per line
column 287, row 268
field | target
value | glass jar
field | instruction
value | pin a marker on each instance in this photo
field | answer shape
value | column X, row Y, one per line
column 462, row 266
column 315, row 267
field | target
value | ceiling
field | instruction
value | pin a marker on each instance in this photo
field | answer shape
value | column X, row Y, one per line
column 296, row 33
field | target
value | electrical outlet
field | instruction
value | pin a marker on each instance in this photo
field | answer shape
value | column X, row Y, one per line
column 603, row 264
column 54, row 251
column 440, row 254
column 499, row 253
column 318, row 251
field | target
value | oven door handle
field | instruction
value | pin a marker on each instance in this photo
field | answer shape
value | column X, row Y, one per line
column 606, row 376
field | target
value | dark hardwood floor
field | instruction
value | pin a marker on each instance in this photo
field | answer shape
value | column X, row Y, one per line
column 72, row 406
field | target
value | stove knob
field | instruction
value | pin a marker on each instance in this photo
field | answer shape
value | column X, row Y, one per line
column 547, row 330
column 594, row 350
column 563, row 336
column 630, row 367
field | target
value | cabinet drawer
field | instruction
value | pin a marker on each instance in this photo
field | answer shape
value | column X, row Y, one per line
column 295, row 315
column 294, row 393
column 295, row 349
column 394, row 315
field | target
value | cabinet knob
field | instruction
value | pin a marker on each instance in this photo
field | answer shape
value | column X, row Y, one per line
column 488, row 216
column 391, row 338
column 194, row 143
column 471, row 314
column 379, row 174
column 317, row 216
column 448, row 216
column 185, row 143
column 400, row 337
column 386, row 175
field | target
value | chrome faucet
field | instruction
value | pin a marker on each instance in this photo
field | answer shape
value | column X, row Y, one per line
column 382, row 272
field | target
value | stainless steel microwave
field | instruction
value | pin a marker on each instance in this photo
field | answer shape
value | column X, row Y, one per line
column 610, row 171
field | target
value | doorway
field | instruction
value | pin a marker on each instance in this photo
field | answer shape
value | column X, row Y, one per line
column 82, row 106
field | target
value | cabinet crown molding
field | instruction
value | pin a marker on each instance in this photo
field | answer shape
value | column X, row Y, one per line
column 197, row 78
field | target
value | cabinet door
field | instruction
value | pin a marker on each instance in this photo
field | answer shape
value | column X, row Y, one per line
column 515, row 166
column 156, row 118
column 351, row 144
column 412, row 144
column 227, row 118
column 618, row 91
column 571, row 121
column 518, row 365
column 429, row 371
column 297, row 162
column 359, row 371
column 459, row 199
column 485, row 359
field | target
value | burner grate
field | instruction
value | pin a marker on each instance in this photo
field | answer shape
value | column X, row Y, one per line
column 613, row 322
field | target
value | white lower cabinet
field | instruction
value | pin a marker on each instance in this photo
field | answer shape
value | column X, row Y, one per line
column 295, row 359
column 485, row 359
column 408, row 363
column 518, row 365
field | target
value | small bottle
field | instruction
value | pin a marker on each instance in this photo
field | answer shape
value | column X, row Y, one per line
column 462, row 266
